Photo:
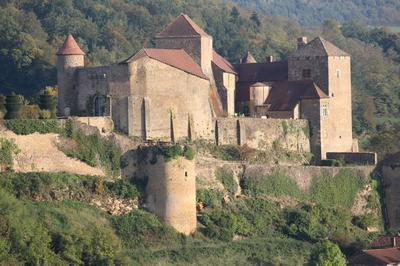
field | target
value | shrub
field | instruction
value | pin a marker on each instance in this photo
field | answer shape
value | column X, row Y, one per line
column 189, row 152
column 45, row 114
column 143, row 229
column 227, row 179
column 275, row 184
column 93, row 149
column 365, row 221
column 210, row 198
column 7, row 151
column 220, row 224
column 30, row 126
column 326, row 253
column 172, row 152
column 13, row 106
column 48, row 102
column 30, row 112
column 122, row 189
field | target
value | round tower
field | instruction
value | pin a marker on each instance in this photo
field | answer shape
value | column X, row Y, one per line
column 171, row 193
column 69, row 58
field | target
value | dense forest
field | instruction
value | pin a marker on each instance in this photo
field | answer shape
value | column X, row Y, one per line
column 109, row 31
column 371, row 12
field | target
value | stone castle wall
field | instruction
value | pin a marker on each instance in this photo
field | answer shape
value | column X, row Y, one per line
column 264, row 134
column 168, row 103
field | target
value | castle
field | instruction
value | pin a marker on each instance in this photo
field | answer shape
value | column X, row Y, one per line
column 182, row 87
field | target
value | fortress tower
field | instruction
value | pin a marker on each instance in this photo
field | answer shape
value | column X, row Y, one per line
column 184, row 33
column 69, row 58
column 329, row 67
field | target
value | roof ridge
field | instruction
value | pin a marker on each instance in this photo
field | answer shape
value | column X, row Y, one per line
column 168, row 31
column 70, row 47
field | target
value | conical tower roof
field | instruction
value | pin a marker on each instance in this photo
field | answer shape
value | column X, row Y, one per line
column 249, row 59
column 70, row 47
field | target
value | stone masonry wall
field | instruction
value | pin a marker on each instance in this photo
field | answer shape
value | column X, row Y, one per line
column 264, row 134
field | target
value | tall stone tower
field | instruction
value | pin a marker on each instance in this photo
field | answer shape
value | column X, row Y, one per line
column 69, row 58
column 329, row 67
column 184, row 33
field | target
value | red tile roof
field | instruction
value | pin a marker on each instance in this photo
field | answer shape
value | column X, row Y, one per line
column 386, row 242
column 177, row 58
column 284, row 96
column 376, row 257
column 249, row 74
column 70, row 47
column 222, row 63
column 182, row 26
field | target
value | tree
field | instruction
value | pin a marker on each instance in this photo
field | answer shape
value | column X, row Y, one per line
column 235, row 13
column 255, row 19
column 327, row 253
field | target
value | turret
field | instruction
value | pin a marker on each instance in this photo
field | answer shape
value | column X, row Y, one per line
column 69, row 58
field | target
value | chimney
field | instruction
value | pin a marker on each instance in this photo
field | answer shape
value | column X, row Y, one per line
column 301, row 42
column 269, row 59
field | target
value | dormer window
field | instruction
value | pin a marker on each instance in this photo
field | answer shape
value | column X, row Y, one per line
column 306, row 73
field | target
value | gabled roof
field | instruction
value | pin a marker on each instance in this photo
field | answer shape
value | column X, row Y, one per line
column 70, row 47
column 222, row 63
column 182, row 26
column 248, row 59
column 319, row 47
column 284, row 96
column 177, row 58
column 377, row 257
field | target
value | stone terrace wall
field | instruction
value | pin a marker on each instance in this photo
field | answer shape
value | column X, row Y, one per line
column 301, row 174
column 360, row 158
column 292, row 135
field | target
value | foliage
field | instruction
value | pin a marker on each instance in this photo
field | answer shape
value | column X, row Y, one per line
column 31, row 111
column 327, row 254
column 93, row 150
column 314, row 13
column 142, row 229
column 210, row 198
column 365, row 221
column 122, row 189
column 30, row 126
column 7, row 151
column 275, row 184
column 189, row 152
column 228, row 180
column 13, row 106
column 339, row 190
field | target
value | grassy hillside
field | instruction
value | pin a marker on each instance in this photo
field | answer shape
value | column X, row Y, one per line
column 371, row 12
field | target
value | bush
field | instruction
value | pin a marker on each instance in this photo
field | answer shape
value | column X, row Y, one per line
column 189, row 152
column 30, row 126
column 326, row 254
column 45, row 114
column 7, row 151
column 220, row 224
column 93, row 149
column 210, row 198
column 13, row 106
column 365, row 221
column 143, row 229
column 122, row 189
column 30, row 112
column 228, row 180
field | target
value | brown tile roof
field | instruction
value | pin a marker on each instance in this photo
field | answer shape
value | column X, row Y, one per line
column 182, row 26
column 248, row 59
column 177, row 58
column 249, row 74
column 285, row 95
column 376, row 257
column 385, row 242
column 70, row 47
column 319, row 47
column 222, row 63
